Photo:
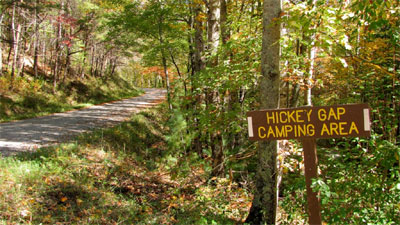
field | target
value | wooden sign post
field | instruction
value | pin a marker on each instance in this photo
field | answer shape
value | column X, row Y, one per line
column 307, row 124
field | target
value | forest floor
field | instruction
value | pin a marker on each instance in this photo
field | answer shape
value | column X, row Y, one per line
column 30, row 134
column 124, row 174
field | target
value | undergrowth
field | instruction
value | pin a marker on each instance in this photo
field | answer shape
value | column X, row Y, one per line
column 120, row 175
column 26, row 97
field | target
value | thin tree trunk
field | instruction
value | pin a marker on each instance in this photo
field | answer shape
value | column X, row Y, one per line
column 212, row 96
column 36, row 41
column 313, row 52
column 164, row 60
column 264, row 205
column 93, row 51
column 58, row 50
column 223, row 21
column 20, row 71
column 198, row 41
column 1, row 49
column 16, row 36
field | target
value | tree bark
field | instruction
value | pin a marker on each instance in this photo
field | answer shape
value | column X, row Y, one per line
column 198, row 41
column 198, row 65
column 1, row 49
column 16, row 36
column 264, row 205
column 312, row 55
column 214, row 13
column 36, row 41
column 164, row 59
column 58, row 49
column 224, row 21
column 212, row 96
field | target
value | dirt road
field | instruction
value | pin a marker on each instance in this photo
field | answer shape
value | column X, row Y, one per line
column 30, row 134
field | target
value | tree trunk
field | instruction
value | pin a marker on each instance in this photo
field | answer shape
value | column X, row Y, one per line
column 58, row 50
column 264, row 206
column 223, row 21
column 1, row 50
column 198, row 41
column 313, row 51
column 212, row 96
column 214, row 13
column 164, row 59
column 16, row 36
column 36, row 41
column 198, row 65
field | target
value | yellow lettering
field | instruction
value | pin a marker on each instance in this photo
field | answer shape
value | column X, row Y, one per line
column 309, row 115
column 353, row 127
column 310, row 130
column 302, row 130
column 334, row 128
column 288, row 129
column 332, row 114
column 298, row 116
column 325, row 130
column 270, row 117
column 270, row 131
column 340, row 111
column 259, row 132
column 280, row 133
column 342, row 125
column 291, row 116
column 322, row 114
column 280, row 115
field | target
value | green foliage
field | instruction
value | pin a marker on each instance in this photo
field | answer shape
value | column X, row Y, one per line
column 115, row 175
column 34, row 97
column 357, row 43
column 358, row 184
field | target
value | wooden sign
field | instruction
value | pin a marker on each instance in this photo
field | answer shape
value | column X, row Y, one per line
column 310, row 122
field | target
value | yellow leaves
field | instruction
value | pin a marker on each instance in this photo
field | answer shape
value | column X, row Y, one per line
column 202, row 17
column 199, row 2
column 47, row 218
column 79, row 202
column 64, row 199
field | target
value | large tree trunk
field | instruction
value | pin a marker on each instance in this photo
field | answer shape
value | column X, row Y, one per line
column 198, row 65
column 212, row 96
column 263, row 209
column 214, row 13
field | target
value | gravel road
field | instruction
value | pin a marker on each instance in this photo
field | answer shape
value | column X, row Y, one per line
column 30, row 134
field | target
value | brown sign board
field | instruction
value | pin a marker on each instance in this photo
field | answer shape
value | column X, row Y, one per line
column 351, row 120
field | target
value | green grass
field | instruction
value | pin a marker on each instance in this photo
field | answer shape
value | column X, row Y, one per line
column 30, row 98
column 120, row 175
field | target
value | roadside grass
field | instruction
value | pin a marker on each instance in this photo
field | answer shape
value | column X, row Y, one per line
column 30, row 97
column 120, row 175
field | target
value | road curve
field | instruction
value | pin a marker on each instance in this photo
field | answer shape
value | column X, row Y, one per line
column 30, row 134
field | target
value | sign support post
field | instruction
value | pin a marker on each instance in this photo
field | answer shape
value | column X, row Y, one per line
column 311, row 171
